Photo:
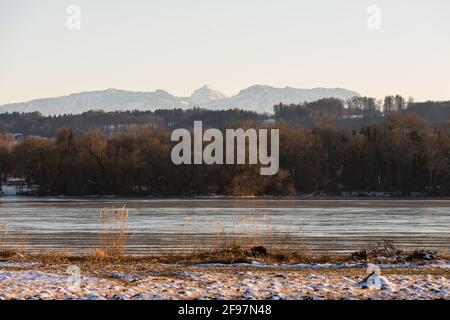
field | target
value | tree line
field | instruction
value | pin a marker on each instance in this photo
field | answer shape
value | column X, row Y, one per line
column 36, row 124
column 353, row 114
column 398, row 152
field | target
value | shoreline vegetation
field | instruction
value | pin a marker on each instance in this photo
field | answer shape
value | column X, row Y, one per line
column 386, row 253
column 230, row 273
column 238, row 269
column 113, row 234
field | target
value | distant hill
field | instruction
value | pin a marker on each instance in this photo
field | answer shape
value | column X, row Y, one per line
column 262, row 98
column 258, row 98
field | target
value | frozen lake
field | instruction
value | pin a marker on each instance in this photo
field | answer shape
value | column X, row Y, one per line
column 162, row 225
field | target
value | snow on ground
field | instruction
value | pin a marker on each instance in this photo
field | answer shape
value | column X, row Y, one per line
column 17, row 264
column 194, row 283
column 333, row 266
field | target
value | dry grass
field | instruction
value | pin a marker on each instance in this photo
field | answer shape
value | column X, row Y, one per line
column 246, row 238
column 233, row 254
column 386, row 248
column 112, row 239
column 243, row 231
column 389, row 249
column 5, row 251
column 3, row 233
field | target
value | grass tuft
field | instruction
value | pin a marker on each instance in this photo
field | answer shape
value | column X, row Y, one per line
column 114, row 227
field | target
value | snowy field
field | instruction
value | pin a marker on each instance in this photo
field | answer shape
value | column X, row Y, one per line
column 239, row 281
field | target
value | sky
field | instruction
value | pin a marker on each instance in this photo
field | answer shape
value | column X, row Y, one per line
column 180, row 45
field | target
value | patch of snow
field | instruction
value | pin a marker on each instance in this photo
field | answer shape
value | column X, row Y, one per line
column 375, row 282
column 17, row 264
column 345, row 265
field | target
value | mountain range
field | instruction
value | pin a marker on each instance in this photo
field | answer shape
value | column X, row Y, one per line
column 260, row 98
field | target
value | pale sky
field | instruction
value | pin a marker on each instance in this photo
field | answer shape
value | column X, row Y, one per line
column 179, row 46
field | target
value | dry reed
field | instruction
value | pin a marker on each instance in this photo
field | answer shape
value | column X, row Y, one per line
column 3, row 233
column 114, row 227
column 243, row 233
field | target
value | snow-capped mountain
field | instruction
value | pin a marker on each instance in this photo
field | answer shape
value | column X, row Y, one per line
column 257, row 98
column 262, row 98
column 206, row 94
column 107, row 100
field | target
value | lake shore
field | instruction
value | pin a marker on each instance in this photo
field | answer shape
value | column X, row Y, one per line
column 177, row 225
column 259, row 248
column 303, row 196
